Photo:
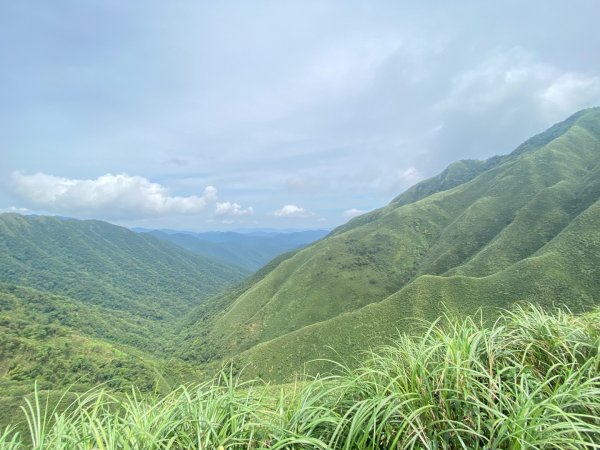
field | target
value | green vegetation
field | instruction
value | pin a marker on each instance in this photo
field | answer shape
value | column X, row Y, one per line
column 60, row 342
column 86, row 302
column 525, row 226
column 106, row 265
column 532, row 380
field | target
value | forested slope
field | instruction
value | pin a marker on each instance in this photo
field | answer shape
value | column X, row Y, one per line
column 87, row 302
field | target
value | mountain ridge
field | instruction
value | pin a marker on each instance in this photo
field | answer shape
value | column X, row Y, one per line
column 480, row 235
column 478, row 229
column 121, row 269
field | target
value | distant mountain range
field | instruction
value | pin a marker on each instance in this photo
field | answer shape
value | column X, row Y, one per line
column 253, row 231
column 482, row 234
column 249, row 250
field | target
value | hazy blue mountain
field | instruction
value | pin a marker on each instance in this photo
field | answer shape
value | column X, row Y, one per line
column 249, row 250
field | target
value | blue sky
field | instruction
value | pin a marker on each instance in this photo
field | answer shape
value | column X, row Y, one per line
column 283, row 114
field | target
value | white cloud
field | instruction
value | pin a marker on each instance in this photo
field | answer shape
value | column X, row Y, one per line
column 111, row 195
column 14, row 209
column 353, row 212
column 410, row 176
column 569, row 92
column 502, row 75
column 292, row 211
column 516, row 77
column 233, row 209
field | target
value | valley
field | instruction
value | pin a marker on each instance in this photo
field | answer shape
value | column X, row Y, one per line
column 85, row 303
column 306, row 225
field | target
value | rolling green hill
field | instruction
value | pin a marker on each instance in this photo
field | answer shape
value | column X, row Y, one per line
column 520, row 227
column 107, row 265
column 84, row 302
column 246, row 250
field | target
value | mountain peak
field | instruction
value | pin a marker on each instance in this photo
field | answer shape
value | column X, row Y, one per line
column 555, row 131
column 520, row 227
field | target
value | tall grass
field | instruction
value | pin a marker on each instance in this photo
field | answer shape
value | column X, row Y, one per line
column 530, row 381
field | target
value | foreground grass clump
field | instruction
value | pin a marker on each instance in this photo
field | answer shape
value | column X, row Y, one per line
column 532, row 380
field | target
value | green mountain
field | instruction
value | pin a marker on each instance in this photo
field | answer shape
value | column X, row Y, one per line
column 520, row 227
column 249, row 251
column 107, row 265
column 86, row 302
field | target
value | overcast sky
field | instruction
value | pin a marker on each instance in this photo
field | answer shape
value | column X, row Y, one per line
column 286, row 114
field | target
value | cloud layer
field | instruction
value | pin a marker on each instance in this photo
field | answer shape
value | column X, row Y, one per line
column 330, row 105
column 112, row 195
column 232, row 209
column 515, row 76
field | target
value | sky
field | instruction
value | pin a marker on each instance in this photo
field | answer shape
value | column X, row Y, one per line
column 202, row 115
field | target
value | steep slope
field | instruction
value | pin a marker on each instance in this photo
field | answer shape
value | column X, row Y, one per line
column 59, row 341
column 63, row 344
column 518, row 227
column 86, row 302
column 107, row 265
column 248, row 251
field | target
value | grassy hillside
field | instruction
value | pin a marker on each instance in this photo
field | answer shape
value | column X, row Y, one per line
column 23, row 308
column 519, row 227
column 532, row 380
column 248, row 251
column 85, row 302
column 62, row 343
column 106, row 265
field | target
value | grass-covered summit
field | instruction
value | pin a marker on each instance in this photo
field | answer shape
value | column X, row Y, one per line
column 525, row 226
